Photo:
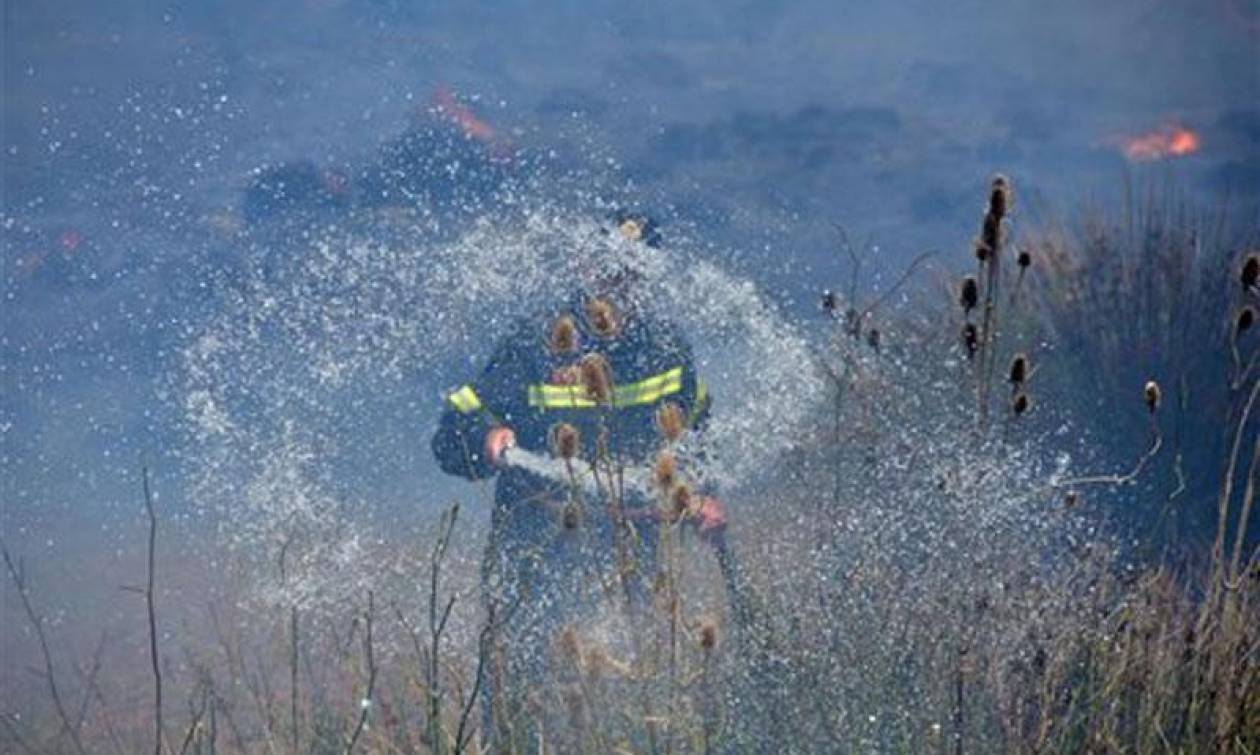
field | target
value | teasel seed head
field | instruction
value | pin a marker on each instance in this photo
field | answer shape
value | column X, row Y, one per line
column 830, row 302
column 602, row 316
column 565, row 440
column 1250, row 271
column 671, row 421
column 708, row 635
column 971, row 339
column 631, row 229
column 1020, row 403
column 680, row 500
column 1001, row 196
column 991, row 232
column 982, row 251
column 665, row 471
column 1019, row 369
column 1152, row 395
column 563, row 338
column 596, row 378
column 1024, row 259
column 969, row 293
column 873, row 338
column 1246, row 318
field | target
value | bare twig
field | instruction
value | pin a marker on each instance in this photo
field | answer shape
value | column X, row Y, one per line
column 437, row 625
column 905, row 276
column 483, row 651
column 150, row 604
column 365, row 704
column 90, row 680
column 37, row 623
column 194, row 726
column 1157, row 441
column 856, row 261
column 15, row 735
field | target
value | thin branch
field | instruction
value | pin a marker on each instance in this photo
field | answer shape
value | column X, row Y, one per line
column 195, row 724
column 365, row 704
column 483, row 651
column 16, row 736
column 152, row 614
column 857, row 262
column 37, row 622
column 1157, row 441
column 905, row 276
column 90, row 680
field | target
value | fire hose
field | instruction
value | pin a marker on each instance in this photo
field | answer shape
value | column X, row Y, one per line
column 639, row 481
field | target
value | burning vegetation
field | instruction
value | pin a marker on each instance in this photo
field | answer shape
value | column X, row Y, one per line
column 1167, row 141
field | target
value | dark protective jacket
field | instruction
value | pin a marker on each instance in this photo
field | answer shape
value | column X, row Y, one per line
column 521, row 388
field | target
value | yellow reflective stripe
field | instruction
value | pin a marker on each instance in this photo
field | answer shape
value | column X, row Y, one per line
column 702, row 399
column 649, row 390
column 465, row 400
column 646, row 391
column 559, row 397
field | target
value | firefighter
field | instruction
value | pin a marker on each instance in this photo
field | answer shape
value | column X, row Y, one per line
column 550, row 556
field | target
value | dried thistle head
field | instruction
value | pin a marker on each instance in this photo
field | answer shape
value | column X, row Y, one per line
column 982, row 251
column 1152, row 395
column 1246, row 318
column 631, row 229
column 572, row 516
column 565, row 440
column 971, row 339
column 1001, row 196
column 602, row 316
column 1019, row 369
column 680, row 500
column 708, row 634
column 563, row 338
column 830, row 302
column 1020, row 403
column 991, row 233
column 671, row 421
column 969, row 293
column 596, row 377
column 665, row 471
column 1250, row 271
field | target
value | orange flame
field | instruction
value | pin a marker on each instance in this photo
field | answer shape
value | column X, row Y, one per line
column 472, row 126
column 1171, row 140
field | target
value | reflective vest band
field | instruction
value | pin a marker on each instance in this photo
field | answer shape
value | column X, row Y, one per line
column 702, row 400
column 465, row 400
column 647, row 391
